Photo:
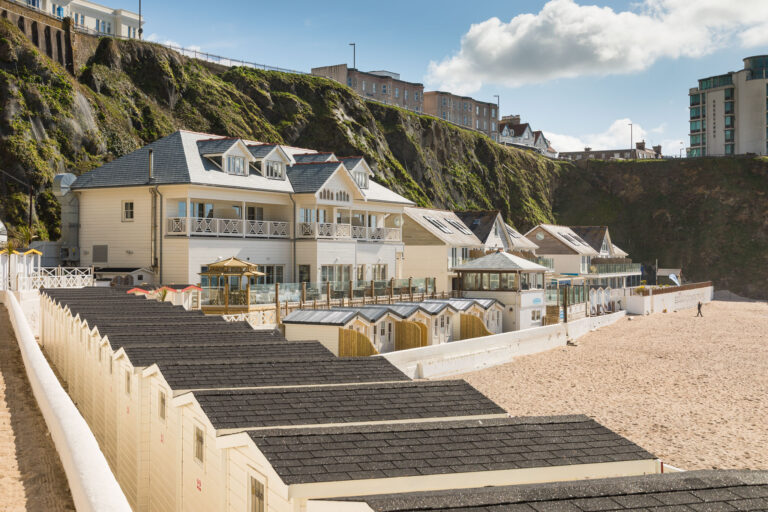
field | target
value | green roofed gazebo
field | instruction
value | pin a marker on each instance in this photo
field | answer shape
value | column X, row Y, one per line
column 227, row 286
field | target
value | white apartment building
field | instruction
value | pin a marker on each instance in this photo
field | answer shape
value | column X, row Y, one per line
column 91, row 16
column 729, row 112
column 190, row 199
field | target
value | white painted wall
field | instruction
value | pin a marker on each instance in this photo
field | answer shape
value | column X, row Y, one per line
column 686, row 299
column 473, row 354
column 428, row 261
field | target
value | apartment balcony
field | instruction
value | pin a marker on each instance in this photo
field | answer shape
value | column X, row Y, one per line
column 334, row 231
column 616, row 268
column 230, row 228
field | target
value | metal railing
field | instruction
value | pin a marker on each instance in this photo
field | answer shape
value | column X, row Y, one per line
column 200, row 226
column 347, row 231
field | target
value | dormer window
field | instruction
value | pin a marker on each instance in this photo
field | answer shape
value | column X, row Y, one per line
column 362, row 179
column 274, row 170
column 236, row 165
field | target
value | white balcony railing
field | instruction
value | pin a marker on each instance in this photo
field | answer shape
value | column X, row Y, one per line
column 199, row 226
column 346, row 231
column 55, row 277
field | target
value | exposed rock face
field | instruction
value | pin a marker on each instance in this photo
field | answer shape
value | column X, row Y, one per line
column 131, row 93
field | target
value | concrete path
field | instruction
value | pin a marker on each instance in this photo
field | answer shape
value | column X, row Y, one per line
column 31, row 475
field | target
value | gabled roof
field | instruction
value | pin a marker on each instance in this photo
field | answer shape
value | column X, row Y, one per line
column 261, row 150
column 309, row 178
column 177, row 160
column 501, row 261
column 517, row 130
column 687, row 490
column 593, row 235
column 380, row 193
column 480, row 222
column 304, row 158
column 445, row 225
column 519, row 241
column 216, row 146
column 567, row 237
column 350, row 162
column 337, row 317
column 618, row 252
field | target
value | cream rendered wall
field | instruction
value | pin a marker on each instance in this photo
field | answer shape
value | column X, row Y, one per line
column 162, row 443
column 205, row 250
column 428, row 261
column 328, row 335
column 565, row 263
column 101, row 223
column 749, row 110
column 517, row 307
column 245, row 461
column 176, row 259
column 202, row 484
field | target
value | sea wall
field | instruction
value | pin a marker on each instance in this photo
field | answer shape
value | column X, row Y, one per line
column 477, row 353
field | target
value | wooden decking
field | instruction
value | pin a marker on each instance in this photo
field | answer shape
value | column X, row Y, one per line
column 31, row 475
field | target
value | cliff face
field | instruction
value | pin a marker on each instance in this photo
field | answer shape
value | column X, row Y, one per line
column 708, row 216
column 130, row 93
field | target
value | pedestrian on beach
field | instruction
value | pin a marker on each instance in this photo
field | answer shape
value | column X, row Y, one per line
column 699, row 313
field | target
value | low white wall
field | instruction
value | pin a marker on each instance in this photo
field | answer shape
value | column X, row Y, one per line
column 685, row 299
column 473, row 354
column 91, row 482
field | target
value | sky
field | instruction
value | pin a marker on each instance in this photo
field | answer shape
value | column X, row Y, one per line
column 581, row 71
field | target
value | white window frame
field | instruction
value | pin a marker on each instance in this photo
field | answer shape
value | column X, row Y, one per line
column 124, row 211
column 236, row 165
column 274, row 170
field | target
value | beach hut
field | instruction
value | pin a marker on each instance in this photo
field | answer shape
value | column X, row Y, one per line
column 184, row 295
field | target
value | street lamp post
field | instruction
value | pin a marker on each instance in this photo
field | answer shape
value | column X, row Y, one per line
column 354, row 55
column 141, row 29
column 498, row 114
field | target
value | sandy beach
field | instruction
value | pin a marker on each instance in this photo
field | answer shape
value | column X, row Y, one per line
column 31, row 475
column 693, row 391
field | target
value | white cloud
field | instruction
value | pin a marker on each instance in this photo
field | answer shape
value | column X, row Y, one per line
column 566, row 40
column 617, row 136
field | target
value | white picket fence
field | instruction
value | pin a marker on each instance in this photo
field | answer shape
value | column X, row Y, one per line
column 53, row 277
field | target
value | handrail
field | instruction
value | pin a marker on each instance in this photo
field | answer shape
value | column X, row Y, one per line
column 209, row 226
column 91, row 481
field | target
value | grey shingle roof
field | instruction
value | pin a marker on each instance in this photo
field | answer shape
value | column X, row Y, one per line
column 688, row 491
column 303, row 158
column 343, row 404
column 261, row 150
column 320, row 316
column 380, row 451
column 350, row 161
column 146, row 355
column 309, row 178
column 170, row 166
column 479, row 221
column 593, row 235
column 245, row 373
column 215, row 146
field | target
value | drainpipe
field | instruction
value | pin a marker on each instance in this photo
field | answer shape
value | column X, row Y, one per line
column 160, row 236
column 293, row 228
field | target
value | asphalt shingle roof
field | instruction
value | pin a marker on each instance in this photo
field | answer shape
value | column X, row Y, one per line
column 343, row 404
column 309, row 178
column 306, row 455
column 170, row 166
column 670, row 492
column 245, row 373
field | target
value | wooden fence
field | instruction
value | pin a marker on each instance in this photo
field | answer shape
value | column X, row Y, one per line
column 355, row 344
column 410, row 335
column 473, row 327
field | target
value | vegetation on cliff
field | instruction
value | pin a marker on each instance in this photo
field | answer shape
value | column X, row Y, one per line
column 131, row 93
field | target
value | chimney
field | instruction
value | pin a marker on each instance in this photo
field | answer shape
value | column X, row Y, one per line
column 151, row 165
column 640, row 145
column 657, row 150
column 587, row 149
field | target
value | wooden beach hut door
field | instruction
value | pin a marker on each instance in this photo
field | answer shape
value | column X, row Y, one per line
column 410, row 335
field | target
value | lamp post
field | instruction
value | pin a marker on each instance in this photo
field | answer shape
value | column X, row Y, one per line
column 631, row 139
column 681, row 149
column 354, row 55
column 141, row 29
column 498, row 114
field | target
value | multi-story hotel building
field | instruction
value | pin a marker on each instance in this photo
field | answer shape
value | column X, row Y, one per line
column 382, row 86
column 91, row 16
column 728, row 113
column 190, row 199
column 463, row 110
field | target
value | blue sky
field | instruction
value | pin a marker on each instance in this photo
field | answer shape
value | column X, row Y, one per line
column 578, row 72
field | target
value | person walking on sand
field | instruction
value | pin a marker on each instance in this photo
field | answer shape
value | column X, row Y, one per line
column 699, row 308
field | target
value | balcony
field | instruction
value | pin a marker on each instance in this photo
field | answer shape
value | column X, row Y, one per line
column 329, row 230
column 616, row 268
column 231, row 228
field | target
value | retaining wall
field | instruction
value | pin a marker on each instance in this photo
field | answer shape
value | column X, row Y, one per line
column 473, row 354
column 93, row 486
column 671, row 301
